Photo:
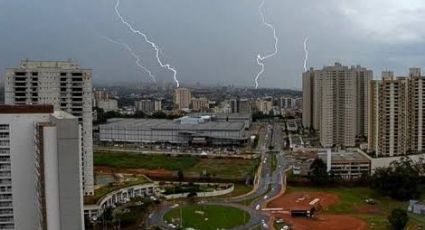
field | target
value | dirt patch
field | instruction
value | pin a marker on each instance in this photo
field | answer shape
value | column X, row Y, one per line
column 324, row 222
column 147, row 172
column 321, row 221
column 368, row 209
column 302, row 199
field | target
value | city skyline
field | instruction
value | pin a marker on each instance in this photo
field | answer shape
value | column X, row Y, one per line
column 216, row 50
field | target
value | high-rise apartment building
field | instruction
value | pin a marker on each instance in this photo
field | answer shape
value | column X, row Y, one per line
column 40, row 168
column 335, row 103
column 182, row 98
column 64, row 85
column 396, row 114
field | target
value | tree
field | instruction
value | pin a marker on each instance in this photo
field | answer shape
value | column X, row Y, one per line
column 398, row 219
column 159, row 115
column 180, row 175
column 399, row 180
column 318, row 174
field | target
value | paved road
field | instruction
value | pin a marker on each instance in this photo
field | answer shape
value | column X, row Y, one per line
column 269, row 183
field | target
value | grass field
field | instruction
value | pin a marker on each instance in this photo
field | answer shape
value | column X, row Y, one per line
column 224, row 168
column 192, row 166
column 353, row 198
column 208, row 216
column 132, row 160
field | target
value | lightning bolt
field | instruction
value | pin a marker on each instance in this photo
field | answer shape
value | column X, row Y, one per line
column 261, row 59
column 306, row 54
column 145, row 37
column 135, row 56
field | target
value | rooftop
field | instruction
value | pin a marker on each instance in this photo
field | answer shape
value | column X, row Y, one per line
column 344, row 156
column 149, row 124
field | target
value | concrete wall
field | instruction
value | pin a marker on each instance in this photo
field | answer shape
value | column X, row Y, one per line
column 69, row 171
column 201, row 194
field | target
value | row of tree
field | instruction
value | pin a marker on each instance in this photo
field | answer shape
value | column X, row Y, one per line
column 102, row 116
column 402, row 180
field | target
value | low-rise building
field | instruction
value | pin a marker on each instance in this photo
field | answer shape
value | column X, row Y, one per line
column 200, row 104
column 347, row 164
column 186, row 130
column 108, row 105
column 416, row 207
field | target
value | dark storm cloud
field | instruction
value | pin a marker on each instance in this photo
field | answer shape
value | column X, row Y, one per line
column 215, row 41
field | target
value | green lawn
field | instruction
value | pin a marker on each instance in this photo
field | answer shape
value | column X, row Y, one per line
column 224, row 168
column 191, row 166
column 133, row 160
column 353, row 197
column 214, row 216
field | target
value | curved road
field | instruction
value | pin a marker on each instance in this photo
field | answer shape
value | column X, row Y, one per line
column 268, row 184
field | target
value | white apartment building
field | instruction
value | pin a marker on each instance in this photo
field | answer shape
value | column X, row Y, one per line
column 182, row 98
column 396, row 114
column 64, row 85
column 40, row 168
column 335, row 103
column 148, row 105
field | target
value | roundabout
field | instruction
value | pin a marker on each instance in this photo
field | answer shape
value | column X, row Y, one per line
column 207, row 216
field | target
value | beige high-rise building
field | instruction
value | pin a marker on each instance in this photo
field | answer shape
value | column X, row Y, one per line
column 66, row 86
column 396, row 107
column 335, row 103
column 182, row 98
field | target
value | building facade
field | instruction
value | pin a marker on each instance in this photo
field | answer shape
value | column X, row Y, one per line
column 182, row 98
column 186, row 131
column 41, row 169
column 335, row 103
column 64, row 85
column 148, row 106
column 108, row 105
column 200, row 104
column 396, row 114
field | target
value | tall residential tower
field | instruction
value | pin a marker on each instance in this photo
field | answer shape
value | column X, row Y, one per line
column 64, row 85
column 396, row 114
column 40, row 168
column 335, row 103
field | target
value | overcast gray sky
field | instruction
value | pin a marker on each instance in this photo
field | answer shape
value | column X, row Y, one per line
column 215, row 41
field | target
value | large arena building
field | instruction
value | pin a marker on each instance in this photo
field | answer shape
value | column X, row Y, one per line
column 186, row 130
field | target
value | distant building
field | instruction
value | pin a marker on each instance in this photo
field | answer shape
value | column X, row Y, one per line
column 186, row 130
column 335, row 102
column 41, row 184
column 287, row 102
column 200, row 104
column 101, row 94
column 348, row 164
column 108, row 105
column 416, row 207
column 396, row 114
column 240, row 105
column 66, row 86
column 264, row 105
column 182, row 98
column 148, row 106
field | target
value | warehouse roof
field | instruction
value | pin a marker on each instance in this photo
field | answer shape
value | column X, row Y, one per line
column 148, row 124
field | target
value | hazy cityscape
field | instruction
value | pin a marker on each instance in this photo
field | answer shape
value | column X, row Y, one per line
column 212, row 115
